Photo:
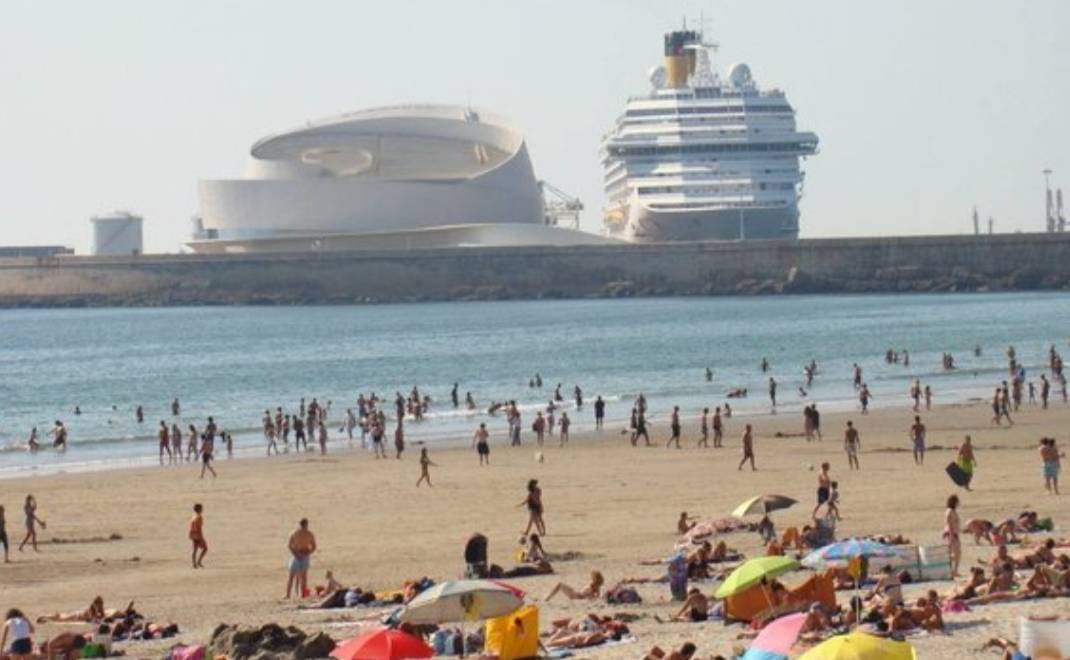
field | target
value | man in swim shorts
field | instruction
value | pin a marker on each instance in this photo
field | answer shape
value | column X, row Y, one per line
column 1049, row 454
column 675, row 427
column 851, row 444
column 196, row 536
column 747, row 443
column 917, row 437
column 301, row 545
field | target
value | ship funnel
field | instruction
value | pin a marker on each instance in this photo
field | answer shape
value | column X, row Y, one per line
column 679, row 58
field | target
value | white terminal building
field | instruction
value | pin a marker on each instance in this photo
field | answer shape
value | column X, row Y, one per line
column 385, row 178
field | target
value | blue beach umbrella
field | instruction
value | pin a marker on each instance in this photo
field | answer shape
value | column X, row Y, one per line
column 847, row 550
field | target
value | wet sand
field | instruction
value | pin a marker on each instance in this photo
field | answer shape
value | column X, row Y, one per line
column 609, row 502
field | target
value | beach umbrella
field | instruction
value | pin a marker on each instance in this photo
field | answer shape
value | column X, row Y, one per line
column 775, row 640
column 860, row 646
column 462, row 600
column 763, row 504
column 847, row 550
column 752, row 572
column 383, row 644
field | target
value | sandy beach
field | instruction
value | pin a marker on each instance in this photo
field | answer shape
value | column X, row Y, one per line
column 610, row 503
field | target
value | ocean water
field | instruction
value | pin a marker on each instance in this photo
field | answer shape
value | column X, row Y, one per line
column 233, row 362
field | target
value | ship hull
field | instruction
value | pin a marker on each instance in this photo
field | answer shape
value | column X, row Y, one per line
column 648, row 225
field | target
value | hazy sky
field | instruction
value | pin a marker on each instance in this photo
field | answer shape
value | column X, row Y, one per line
column 923, row 108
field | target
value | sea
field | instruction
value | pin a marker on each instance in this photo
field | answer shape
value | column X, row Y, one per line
column 235, row 362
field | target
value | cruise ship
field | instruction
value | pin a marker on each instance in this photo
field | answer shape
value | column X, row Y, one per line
column 700, row 158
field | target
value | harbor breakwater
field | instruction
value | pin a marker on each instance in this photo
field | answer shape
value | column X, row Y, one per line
column 843, row 265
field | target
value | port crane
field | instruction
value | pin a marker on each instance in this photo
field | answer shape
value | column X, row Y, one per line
column 559, row 208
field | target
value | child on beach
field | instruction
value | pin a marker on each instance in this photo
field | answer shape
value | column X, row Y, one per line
column 833, row 504
column 425, row 464
column 196, row 536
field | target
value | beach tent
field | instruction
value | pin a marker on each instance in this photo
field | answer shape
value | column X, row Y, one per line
column 860, row 646
column 513, row 636
column 753, row 602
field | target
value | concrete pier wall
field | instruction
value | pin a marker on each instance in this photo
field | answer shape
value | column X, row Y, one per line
column 930, row 263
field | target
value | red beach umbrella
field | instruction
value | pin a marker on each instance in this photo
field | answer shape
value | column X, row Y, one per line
column 384, row 644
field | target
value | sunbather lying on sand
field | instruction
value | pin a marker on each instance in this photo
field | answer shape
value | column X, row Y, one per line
column 969, row 590
column 591, row 630
column 685, row 652
column 924, row 614
column 94, row 613
column 591, row 592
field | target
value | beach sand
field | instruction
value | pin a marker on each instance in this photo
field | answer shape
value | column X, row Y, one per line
column 613, row 504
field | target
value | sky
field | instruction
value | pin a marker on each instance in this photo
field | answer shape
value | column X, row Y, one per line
column 923, row 109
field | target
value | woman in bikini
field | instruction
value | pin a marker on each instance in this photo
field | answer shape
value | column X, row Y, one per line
column 591, row 592
column 32, row 523
column 425, row 465
column 533, row 502
column 952, row 532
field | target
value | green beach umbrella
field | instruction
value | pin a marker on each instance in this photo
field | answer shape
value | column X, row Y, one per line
column 752, row 572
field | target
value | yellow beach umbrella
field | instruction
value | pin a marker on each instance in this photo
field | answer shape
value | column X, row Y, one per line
column 860, row 646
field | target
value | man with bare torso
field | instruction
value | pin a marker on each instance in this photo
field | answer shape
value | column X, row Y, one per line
column 301, row 545
column 747, row 444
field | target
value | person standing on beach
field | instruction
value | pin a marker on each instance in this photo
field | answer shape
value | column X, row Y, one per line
column 350, row 424
column 863, row 397
column 1045, row 391
column 599, row 413
column 399, row 439
column 747, row 444
column 302, row 544
column 165, row 442
column 3, row 539
column 772, row 392
column 207, row 448
column 640, row 429
column 564, row 424
column 539, row 427
column 533, row 503
column 1049, row 456
column 196, row 536
column 952, row 533
column 718, row 428
column 851, row 444
column 176, row 443
column 482, row 444
column 425, row 468
column 674, row 426
column 808, row 424
column 29, row 508
column 191, row 447
column 704, row 429
column 322, row 432
column 815, row 418
column 917, row 438
column 270, row 433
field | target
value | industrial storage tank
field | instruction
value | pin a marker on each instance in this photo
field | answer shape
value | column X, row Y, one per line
column 117, row 233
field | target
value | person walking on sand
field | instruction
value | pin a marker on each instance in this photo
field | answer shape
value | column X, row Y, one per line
column 863, row 398
column 481, row 442
column 747, row 444
column 539, row 427
column 640, row 429
column 196, row 536
column 917, row 438
column 599, row 412
column 302, row 544
column 533, row 503
column 824, row 484
column 191, row 447
column 164, row 435
column 851, row 444
column 425, row 468
column 176, row 443
column 674, row 427
column 29, row 508
column 718, row 428
column 952, row 533
column 966, row 460
column 563, row 433
column 1049, row 456
column 207, row 449
column 704, row 429
column 321, row 429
